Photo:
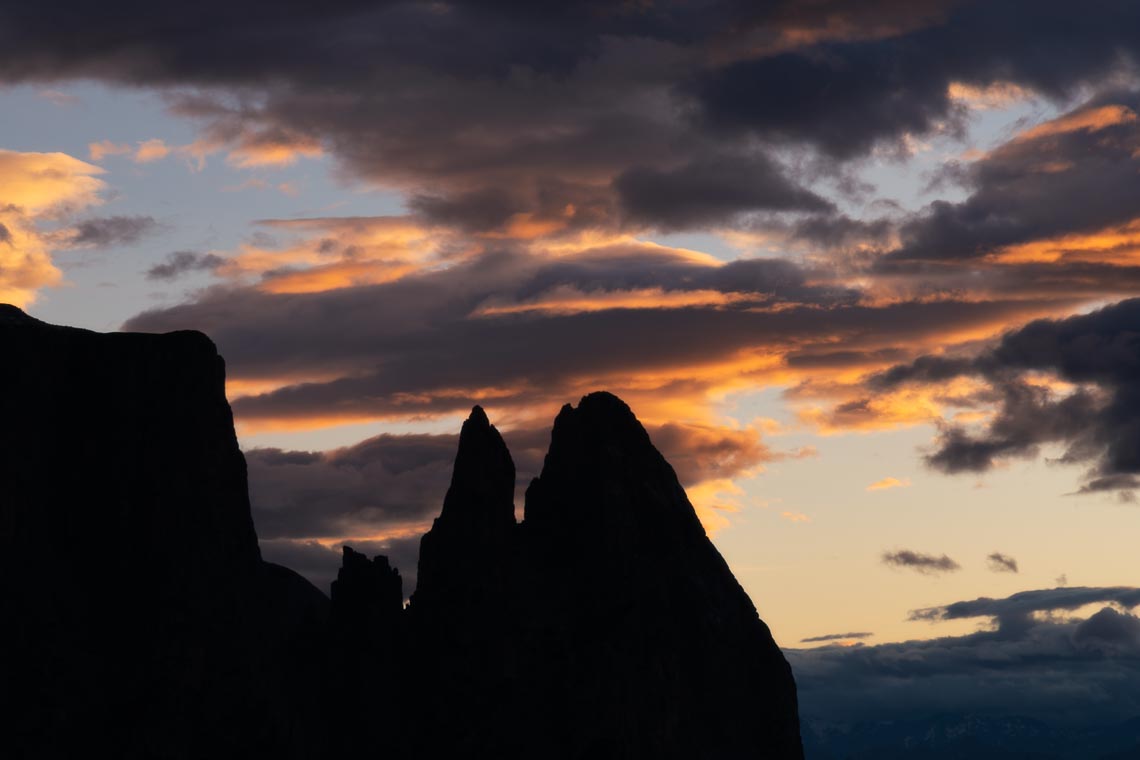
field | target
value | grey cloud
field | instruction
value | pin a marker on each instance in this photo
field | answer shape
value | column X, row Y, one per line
column 5, row 235
column 385, row 482
column 113, row 230
column 1098, row 422
column 708, row 192
column 179, row 263
column 1025, row 603
column 837, row 637
column 1002, row 563
column 927, row 564
column 846, row 97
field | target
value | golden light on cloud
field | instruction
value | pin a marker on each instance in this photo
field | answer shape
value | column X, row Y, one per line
column 713, row 500
column 330, row 254
column 569, row 300
column 335, row 276
column 273, row 152
column 887, row 483
column 1091, row 120
column 991, row 97
column 47, row 184
column 1118, row 245
column 899, row 408
column 796, row 517
column 37, row 187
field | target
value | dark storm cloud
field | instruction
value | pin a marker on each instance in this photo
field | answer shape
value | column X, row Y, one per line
column 846, row 96
column 485, row 209
column 1002, row 563
column 347, row 40
column 1064, row 671
column 1028, row 416
column 927, row 564
column 710, row 192
column 451, row 101
column 381, row 483
column 836, row 637
column 113, row 230
column 179, row 263
column 5, row 235
column 1098, row 421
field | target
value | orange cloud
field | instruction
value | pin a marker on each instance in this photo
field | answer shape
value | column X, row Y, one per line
column 713, row 500
column 900, row 408
column 37, row 187
column 151, row 150
column 885, row 483
column 1117, row 245
column 273, row 151
column 145, row 152
column 570, row 300
column 991, row 97
column 335, row 253
column 100, row 150
column 1090, row 120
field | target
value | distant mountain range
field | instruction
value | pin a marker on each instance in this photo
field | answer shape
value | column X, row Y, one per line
column 969, row 737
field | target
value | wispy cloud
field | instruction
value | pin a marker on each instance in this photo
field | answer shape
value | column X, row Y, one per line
column 1002, row 563
column 885, row 483
column 927, row 564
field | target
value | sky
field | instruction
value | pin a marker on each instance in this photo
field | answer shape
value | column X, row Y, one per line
column 865, row 272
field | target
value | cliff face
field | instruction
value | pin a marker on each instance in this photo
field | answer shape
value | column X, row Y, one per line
column 139, row 606
column 145, row 623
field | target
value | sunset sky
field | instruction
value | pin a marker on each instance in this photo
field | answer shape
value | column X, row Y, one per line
column 806, row 241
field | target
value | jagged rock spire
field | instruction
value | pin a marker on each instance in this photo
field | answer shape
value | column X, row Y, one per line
column 465, row 557
column 483, row 480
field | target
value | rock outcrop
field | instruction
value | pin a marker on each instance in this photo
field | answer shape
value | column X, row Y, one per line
column 604, row 625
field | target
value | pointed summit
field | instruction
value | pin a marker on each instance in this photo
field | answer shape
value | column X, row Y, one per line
column 482, row 490
column 617, row 560
column 463, row 558
column 603, row 474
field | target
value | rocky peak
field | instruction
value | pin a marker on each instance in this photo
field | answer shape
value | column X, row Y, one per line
column 603, row 478
column 482, row 488
column 465, row 559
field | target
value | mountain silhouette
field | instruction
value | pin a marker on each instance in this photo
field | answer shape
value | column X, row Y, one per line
column 603, row 625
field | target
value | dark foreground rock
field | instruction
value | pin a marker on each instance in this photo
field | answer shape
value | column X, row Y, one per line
column 139, row 616
column 604, row 625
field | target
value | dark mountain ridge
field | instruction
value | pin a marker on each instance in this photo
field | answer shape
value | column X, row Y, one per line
column 605, row 624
